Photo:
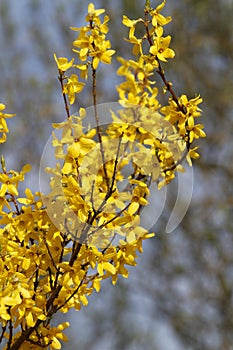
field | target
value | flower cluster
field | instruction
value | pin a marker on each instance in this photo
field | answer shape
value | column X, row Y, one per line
column 41, row 273
column 139, row 88
column 91, row 41
column 183, row 115
column 91, row 47
column 57, row 248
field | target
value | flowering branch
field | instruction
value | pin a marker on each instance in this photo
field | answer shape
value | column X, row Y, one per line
column 56, row 249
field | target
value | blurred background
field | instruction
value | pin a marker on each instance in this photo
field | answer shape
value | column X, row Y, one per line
column 180, row 294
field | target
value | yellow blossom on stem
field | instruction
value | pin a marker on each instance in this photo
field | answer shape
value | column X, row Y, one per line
column 93, row 13
column 102, row 54
column 10, row 181
column 72, row 87
column 160, row 48
column 63, row 64
column 157, row 18
column 3, row 124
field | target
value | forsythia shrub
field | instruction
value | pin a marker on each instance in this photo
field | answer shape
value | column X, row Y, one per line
column 57, row 248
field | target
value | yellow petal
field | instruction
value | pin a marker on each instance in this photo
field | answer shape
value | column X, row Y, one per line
column 56, row 344
column 109, row 267
column 29, row 319
column 154, row 50
column 84, row 300
column 131, row 237
column 26, row 264
column 26, row 168
column 100, row 269
column 95, row 62
column 12, row 190
column 74, row 150
column 133, row 208
column 96, row 285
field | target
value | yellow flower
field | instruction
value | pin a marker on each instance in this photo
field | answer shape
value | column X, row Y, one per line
column 160, row 48
column 192, row 154
column 63, row 64
column 105, row 266
column 139, row 194
column 83, row 43
column 30, row 199
column 72, row 87
column 83, row 70
column 130, row 22
column 10, row 181
column 3, row 124
column 91, row 40
column 103, row 26
column 3, row 199
column 101, row 53
column 119, row 199
column 93, row 13
column 184, row 116
column 137, row 48
column 196, row 132
column 153, row 168
column 157, row 18
column 191, row 105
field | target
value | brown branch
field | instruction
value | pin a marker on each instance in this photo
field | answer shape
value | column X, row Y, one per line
column 24, row 336
column 61, row 78
column 36, row 282
column 98, row 124
column 50, row 254
column 13, row 200
column 49, row 305
column 10, row 334
column 115, row 169
column 75, row 253
column 94, row 95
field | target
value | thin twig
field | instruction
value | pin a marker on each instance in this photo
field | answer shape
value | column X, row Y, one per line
column 61, row 78
column 110, row 220
column 94, row 95
column 115, row 168
column 50, row 254
column 72, row 294
column 98, row 125
column 10, row 334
